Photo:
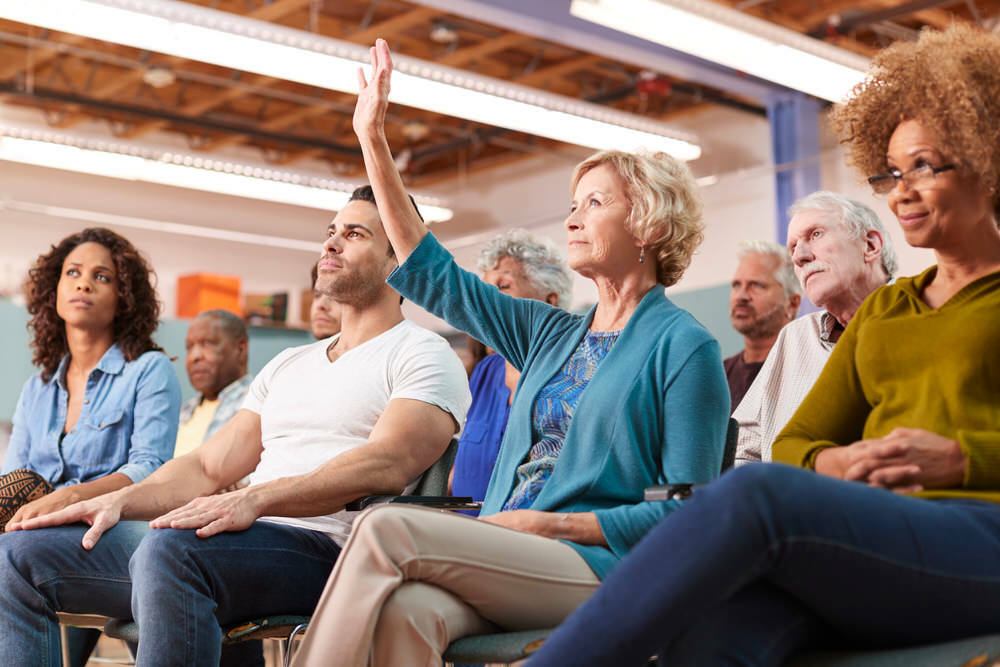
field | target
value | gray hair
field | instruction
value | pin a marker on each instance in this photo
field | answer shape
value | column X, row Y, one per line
column 784, row 273
column 231, row 324
column 543, row 265
column 858, row 219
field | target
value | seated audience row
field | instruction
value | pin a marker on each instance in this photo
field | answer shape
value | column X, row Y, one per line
column 884, row 530
column 890, row 492
column 364, row 412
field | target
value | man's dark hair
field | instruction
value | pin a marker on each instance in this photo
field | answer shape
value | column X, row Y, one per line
column 231, row 324
column 365, row 193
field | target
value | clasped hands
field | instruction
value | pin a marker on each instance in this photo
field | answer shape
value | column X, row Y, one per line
column 906, row 460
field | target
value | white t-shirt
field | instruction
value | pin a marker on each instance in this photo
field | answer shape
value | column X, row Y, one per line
column 311, row 409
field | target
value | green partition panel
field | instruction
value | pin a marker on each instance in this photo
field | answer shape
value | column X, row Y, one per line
column 710, row 306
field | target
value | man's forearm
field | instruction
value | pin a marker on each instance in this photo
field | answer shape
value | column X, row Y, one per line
column 360, row 472
column 176, row 482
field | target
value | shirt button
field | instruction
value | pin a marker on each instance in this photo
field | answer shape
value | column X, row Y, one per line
column 86, row 400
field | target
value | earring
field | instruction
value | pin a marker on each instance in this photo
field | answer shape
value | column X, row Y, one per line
column 642, row 254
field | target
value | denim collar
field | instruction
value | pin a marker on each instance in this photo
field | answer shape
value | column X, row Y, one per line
column 112, row 363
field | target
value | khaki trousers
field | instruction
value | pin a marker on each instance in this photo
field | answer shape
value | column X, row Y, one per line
column 410, row 580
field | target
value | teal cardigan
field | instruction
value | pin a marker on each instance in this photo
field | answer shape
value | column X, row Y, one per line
column 655, row 411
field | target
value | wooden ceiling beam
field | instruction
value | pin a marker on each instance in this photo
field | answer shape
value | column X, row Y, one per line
column 939, row 18
column 388, row 28
column 279, row 9
column 199, row 107
column 271, row 12
column 558, row 70
column 487, row 47
column 37, row 56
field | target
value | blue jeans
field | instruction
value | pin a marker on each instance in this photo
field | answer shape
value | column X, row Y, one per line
column 179, row 587
column 771, row 558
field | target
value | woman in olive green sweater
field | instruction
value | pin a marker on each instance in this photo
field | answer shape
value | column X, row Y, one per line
column 897, row 539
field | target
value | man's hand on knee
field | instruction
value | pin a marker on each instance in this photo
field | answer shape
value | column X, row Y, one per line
column 100, row 513
column 214, row 514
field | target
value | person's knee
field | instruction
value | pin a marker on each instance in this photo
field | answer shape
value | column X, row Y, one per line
column 13, row 550
column 408, row 609
column 159, row 552
column 378, row 523
column 765, row 483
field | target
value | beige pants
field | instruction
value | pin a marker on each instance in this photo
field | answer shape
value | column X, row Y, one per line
column 410, row 580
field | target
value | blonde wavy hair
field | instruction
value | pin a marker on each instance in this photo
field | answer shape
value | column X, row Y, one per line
column 949, row 81
column 664, row 206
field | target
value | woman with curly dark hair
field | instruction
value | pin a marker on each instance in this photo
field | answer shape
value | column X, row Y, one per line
column 884, row 529
column 102, row 412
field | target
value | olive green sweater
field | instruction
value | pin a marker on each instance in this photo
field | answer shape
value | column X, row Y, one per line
column 901, row 363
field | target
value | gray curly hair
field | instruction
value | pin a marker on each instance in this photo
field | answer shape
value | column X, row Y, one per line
column 543, row 265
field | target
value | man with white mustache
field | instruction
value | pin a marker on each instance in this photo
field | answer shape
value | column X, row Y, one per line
column 842, row 253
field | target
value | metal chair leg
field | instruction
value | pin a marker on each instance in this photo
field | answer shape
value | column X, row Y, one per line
column 290, row 643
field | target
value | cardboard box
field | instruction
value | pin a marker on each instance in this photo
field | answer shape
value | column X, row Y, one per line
column 199, row 292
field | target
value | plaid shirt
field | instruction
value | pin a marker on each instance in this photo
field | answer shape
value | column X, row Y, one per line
column 230, row 402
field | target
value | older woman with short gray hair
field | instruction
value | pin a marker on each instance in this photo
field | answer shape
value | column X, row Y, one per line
column 522, row 265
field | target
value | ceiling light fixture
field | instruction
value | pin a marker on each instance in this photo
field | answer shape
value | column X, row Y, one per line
column 134, row 162
column 198, row 33
column 734, row 39
column 103, row 219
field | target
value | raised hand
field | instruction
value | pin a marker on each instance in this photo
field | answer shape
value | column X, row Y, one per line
column 100, row 513
column 373, row 96
column 210, row 515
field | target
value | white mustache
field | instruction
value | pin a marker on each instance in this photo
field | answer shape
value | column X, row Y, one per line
column 811, row 267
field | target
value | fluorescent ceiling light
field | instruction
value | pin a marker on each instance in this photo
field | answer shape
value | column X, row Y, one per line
column 198, row 33
column 199, row 172
column 734, row 39
column 162, row 226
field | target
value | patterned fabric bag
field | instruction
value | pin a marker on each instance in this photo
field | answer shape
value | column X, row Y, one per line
column 18, row 488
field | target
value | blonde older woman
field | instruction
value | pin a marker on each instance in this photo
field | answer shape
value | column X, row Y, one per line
column 628, row 395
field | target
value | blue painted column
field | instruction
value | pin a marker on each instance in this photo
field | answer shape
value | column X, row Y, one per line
column 794, row 120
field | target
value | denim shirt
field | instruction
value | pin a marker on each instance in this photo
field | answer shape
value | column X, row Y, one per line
column 127, row 423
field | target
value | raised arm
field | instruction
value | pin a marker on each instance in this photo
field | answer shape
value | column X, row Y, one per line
column 402, row 224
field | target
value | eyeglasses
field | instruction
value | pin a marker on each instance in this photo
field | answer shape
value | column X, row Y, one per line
column 916, row 178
